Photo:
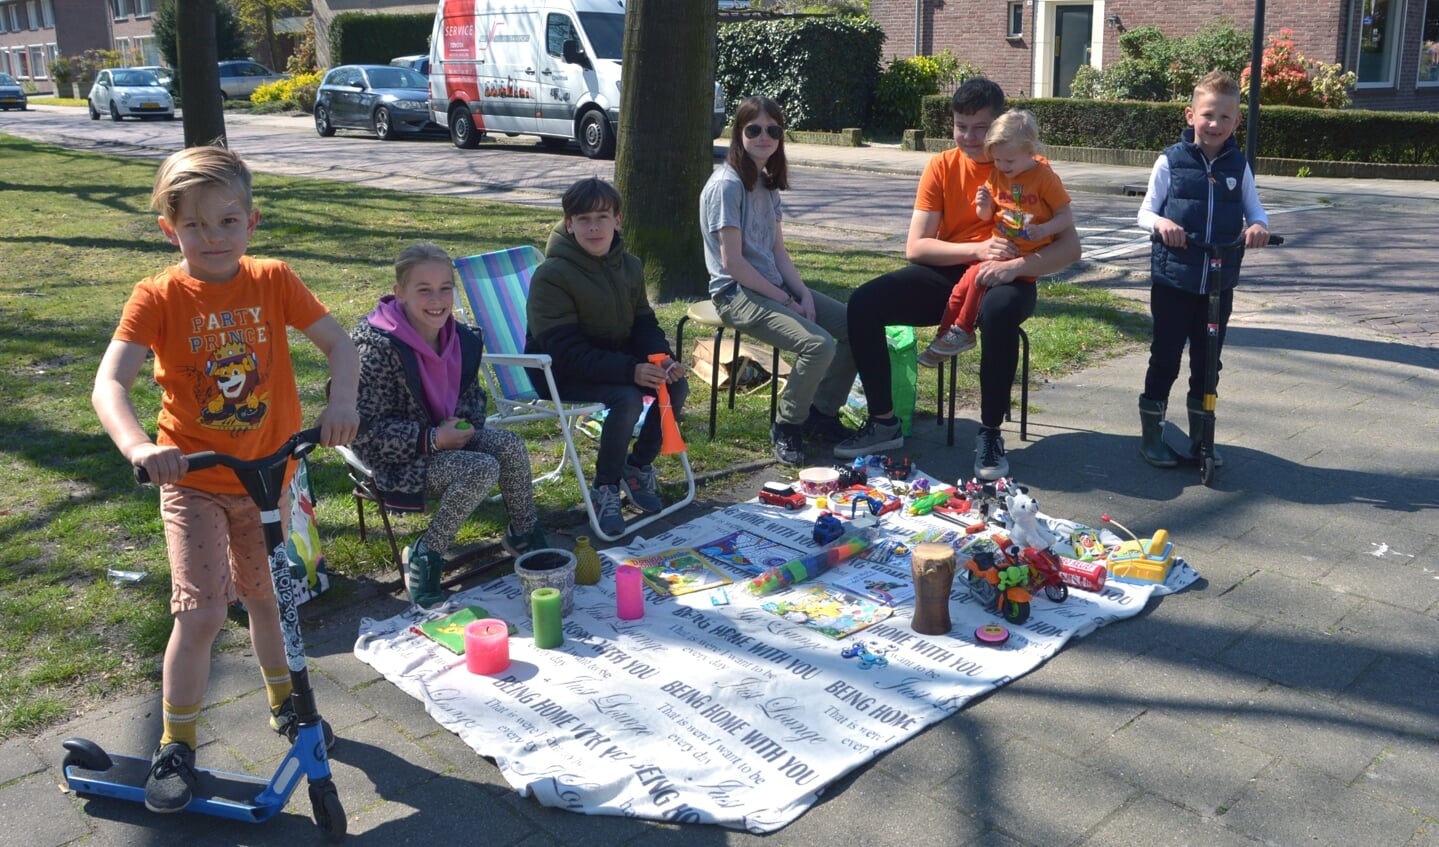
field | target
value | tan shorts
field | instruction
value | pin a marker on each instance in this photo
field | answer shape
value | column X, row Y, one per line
column 217, row 548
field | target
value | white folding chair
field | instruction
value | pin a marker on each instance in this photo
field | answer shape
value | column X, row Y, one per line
column 496, row 287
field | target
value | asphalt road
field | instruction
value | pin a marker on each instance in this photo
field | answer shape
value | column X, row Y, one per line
column 1359, row 250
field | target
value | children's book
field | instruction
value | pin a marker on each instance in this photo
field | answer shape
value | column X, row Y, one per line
column 826, row 609
column 679, row 571
column 747, row 553
column 882, row 585
column 449, row 631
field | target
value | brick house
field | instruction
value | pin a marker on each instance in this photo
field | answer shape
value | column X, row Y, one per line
column 326, row 10
column 34, row 32
column 1032, row 47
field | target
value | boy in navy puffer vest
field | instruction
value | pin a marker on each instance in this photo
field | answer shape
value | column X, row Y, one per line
column 1202, row 185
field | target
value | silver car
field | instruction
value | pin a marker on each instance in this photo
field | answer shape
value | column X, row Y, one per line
column 240, row 77
column 130, row 92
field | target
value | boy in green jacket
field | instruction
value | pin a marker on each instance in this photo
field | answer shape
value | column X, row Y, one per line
column 589, row 311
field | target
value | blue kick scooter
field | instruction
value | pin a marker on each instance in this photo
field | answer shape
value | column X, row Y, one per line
column 90, row 770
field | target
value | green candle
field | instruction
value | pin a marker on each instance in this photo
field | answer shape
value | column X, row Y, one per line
column 545, row 613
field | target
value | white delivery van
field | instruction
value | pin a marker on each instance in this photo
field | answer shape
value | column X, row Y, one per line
column 541, row 67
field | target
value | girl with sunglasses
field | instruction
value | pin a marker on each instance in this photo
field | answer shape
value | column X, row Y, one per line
column 757, row 290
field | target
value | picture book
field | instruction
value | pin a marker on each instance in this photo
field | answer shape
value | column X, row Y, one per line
column 882, row 585
column 747, row 553
column 826, row 609
column 680, row 571
column 449, row 631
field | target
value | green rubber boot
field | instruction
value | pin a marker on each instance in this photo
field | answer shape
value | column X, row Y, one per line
column 1195, row 405
column 424, row 568
column 1151, row 434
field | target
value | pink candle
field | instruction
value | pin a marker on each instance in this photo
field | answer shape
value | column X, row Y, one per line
column 629, row 593
column 487, row 646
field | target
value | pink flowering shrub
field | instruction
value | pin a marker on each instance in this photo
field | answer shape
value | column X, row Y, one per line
column 1288, row 78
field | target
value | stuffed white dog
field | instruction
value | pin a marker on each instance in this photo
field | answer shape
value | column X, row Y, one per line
column 1025, row 528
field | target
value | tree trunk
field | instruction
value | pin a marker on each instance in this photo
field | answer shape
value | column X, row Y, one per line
column 665, row 148
column 202, row 110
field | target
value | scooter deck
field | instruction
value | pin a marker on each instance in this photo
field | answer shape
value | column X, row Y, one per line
column 1186, row 448
column 230, row 795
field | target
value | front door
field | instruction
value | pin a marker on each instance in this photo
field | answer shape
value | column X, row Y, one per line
column 1072, row 32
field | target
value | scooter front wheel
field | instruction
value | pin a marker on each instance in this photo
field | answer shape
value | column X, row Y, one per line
column 1206, row 470
column 328, row 811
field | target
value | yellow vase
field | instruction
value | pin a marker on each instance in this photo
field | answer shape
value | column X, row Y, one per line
column 587, row 568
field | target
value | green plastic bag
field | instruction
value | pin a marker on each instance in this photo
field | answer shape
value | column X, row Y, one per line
column 904, row 379
column 904, row 373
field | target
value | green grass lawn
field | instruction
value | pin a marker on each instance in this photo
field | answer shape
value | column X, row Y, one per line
column 75, row 236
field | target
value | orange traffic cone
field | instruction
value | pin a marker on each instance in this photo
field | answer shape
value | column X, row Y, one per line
column 672, row 442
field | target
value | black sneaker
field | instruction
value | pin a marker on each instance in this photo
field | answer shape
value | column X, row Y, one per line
column 284, row 722
column 788, row 440
column 828, row 429
column 171, row 783
column 989, row 461
column 874, row 437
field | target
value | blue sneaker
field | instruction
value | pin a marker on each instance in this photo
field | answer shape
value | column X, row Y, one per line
column 642, row 487
column 606, row 499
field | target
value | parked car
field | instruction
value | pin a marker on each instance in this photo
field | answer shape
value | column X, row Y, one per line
column 130, row 92
column 420, row 62
column 386, row 100
column 162, row 73
column 240, row 77
column 12, row 96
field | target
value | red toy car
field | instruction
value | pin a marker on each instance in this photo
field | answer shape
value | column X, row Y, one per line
column 779, row 494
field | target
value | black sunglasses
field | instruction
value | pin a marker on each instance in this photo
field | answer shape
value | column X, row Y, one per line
column 774, row 131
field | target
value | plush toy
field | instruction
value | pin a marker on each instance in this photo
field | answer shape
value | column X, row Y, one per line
column 1026, row 531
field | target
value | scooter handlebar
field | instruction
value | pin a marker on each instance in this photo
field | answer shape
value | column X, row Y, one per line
column 297, row 445
column 1274, row 241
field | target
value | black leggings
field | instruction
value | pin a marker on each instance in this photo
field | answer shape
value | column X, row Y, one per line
column 916, row 295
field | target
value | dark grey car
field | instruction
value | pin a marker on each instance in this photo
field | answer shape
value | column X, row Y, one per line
column 388, row 101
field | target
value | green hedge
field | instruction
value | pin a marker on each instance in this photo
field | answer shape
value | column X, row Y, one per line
column 360, row 39
column 822, row 70
column 1286, row 132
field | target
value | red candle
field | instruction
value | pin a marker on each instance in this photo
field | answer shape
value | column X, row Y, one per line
column 487, row 646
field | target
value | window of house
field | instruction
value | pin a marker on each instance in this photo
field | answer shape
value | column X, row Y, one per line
column 13, row 13
column 144, row 8
column 1429, row 45
column 38, row 66
column 145, row 48
column 4, row 25
column 1379, row 41
column 47, row 13
column 120, row 9
column 22, row 64
column 32, row 13
column 1015, row 28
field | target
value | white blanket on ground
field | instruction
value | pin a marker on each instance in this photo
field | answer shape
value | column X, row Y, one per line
column 724, row 714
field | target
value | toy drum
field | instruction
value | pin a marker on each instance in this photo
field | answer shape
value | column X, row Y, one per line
column 818, row 482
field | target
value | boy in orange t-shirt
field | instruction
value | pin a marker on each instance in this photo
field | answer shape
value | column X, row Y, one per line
column 945, row 237
column 217, row 323
column 1029, row 206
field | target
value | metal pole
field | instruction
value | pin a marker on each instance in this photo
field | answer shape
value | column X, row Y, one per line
column 1256, row 64
column 918, row 25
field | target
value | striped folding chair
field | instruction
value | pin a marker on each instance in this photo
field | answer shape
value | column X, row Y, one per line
column 496, row 287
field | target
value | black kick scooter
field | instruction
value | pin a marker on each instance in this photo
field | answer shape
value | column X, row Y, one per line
column 1199, row 447
column 90, row 770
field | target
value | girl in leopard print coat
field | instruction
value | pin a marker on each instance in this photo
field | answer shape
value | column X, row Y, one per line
column 422, row 406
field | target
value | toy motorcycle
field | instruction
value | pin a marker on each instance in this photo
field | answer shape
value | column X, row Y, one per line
column 1006, row 580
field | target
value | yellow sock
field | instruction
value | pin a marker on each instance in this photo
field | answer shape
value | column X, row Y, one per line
column 277, row 685
column 179, row 723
